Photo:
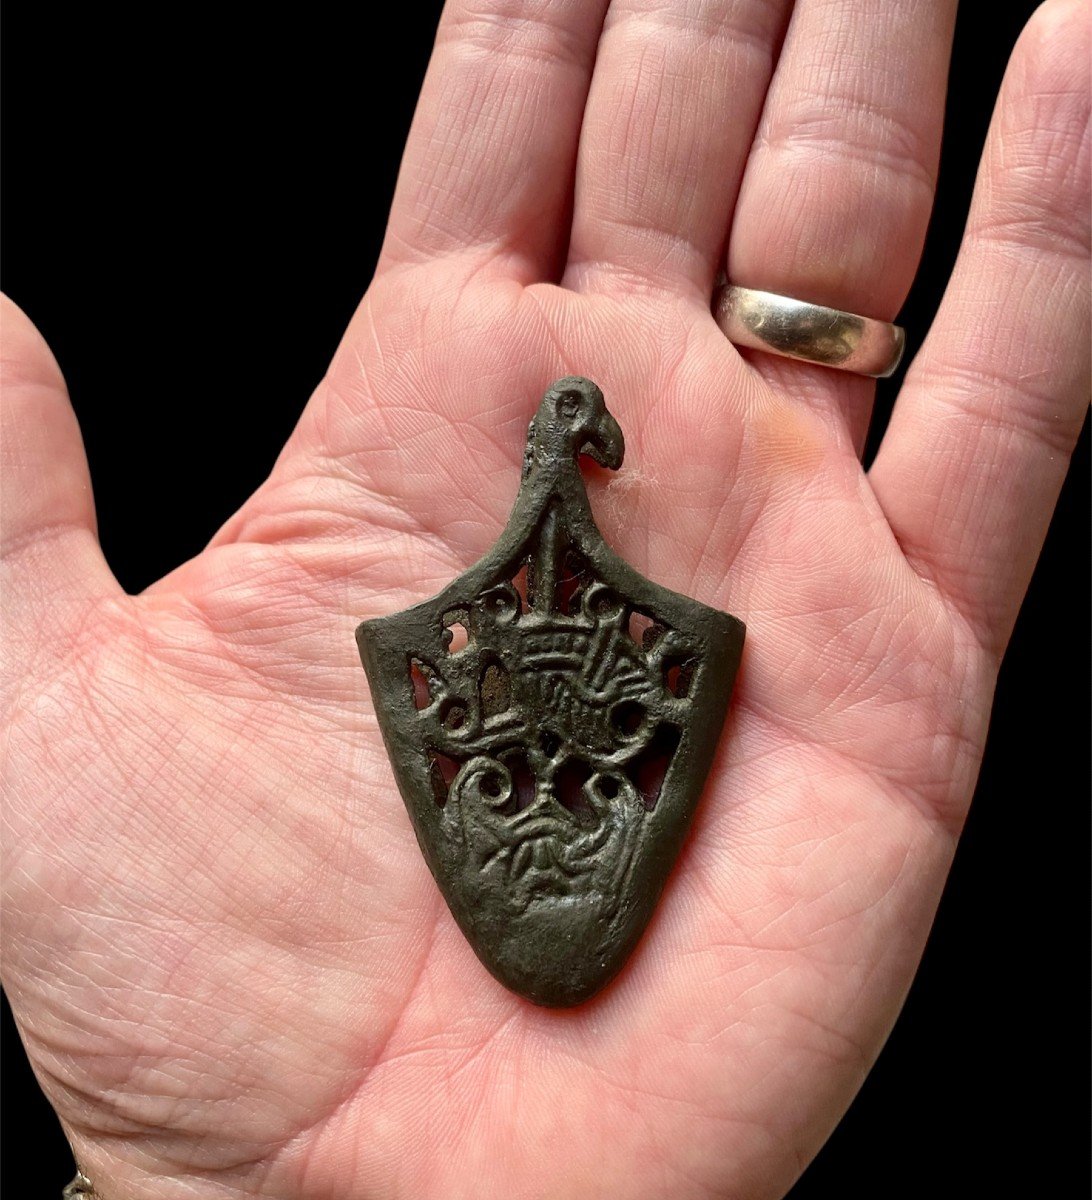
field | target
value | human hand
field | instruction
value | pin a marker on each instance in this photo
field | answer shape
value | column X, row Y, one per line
column 218, row 1007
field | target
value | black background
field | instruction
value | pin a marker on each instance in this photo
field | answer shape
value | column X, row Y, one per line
column 193, row 208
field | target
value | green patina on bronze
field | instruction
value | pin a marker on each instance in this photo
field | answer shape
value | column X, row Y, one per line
column 551, row 717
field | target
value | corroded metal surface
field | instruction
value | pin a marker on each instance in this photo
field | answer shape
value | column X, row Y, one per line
column 550, row 718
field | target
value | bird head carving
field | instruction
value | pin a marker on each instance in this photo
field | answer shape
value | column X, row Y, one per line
column 573, row 420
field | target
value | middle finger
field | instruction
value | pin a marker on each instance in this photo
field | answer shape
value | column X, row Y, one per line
column 673, row 106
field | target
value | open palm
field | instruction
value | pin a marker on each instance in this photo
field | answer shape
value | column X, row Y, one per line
column 231, row 967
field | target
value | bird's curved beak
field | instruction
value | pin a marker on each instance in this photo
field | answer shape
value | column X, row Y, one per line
column 606, row 445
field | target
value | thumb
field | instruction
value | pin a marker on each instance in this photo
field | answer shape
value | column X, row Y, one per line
column 52, row 571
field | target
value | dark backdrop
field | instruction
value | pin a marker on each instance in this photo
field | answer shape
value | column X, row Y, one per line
column 181, row 186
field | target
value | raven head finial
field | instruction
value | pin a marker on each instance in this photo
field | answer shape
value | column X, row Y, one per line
column 573, row 420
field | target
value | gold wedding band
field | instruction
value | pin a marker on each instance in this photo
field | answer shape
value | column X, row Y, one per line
column 810, row 332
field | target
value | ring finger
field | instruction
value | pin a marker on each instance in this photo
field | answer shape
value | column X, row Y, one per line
column 839, row 185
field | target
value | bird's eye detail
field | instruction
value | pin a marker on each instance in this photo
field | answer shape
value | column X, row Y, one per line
column 569, row 404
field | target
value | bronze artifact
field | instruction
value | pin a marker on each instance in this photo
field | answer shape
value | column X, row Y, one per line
column 550, row 717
